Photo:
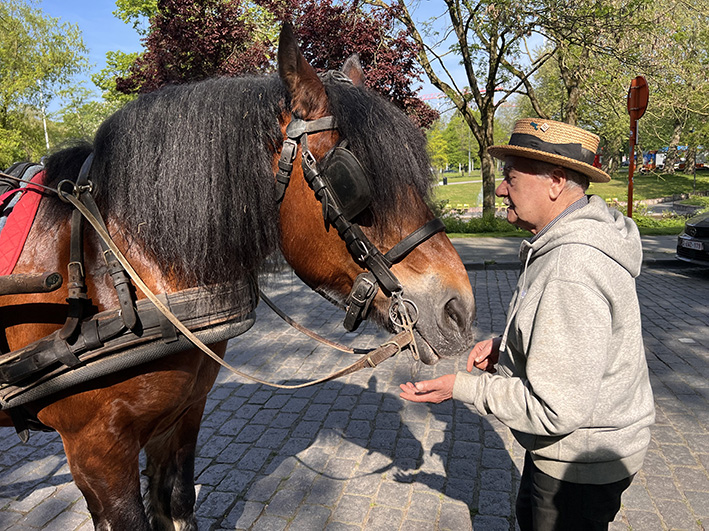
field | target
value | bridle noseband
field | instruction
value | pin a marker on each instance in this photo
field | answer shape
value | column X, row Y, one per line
column 335, row 193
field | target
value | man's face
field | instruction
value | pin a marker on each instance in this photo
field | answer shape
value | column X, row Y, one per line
column 525, row 194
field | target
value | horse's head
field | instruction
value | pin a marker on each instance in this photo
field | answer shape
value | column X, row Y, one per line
column 346, row 214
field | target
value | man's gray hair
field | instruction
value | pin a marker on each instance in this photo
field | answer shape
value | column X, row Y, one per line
column 574, row 179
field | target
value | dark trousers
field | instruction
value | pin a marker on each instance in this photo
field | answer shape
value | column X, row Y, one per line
column 548, row 504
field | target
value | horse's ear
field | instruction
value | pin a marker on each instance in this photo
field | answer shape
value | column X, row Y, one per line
column 306, row 90
column 353, row 69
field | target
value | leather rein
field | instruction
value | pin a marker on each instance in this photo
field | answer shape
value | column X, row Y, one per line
column 403, row 313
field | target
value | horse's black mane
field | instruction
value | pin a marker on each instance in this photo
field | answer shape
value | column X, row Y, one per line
column 191, row 165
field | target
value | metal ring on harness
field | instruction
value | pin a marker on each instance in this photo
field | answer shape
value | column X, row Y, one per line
column 62, row 194
column 395, row 311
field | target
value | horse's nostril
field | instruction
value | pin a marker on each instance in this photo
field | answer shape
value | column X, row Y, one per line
column 456, row 311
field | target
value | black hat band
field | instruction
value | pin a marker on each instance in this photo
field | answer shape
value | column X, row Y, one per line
column 570, row 151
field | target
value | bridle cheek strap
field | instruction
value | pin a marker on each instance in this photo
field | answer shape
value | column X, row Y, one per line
column 365, row 286
column 400, row 251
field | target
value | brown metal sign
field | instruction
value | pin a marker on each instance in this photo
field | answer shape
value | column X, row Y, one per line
column 637, row 103
column 637, row 98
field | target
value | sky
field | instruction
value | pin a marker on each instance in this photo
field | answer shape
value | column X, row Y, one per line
column 101, row 30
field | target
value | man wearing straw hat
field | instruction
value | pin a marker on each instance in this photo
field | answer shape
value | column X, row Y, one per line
column 568, row 376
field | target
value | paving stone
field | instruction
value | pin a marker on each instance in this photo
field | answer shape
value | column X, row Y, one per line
column 394, row 494
column 359, row 429
column 285, row 503
column 490, row 523
column 494, row 503
column 269, row 523
column 215, row 504
column 311, row 517
column 699, row 502
column 418, row 525
column 692, row 478
column 496, row 480
column 461, row 489
column 661, row 488
column 352, row 509
column 365, row 485
column 272, row 438
column 676, row 515
column 676, row 454
column 455, row 516
column 325, row 491
column 384, row 518
column 243, row 515
column 496, row 458
column 47, row 512
column 254, row 459
column 213, row 475
column 644, row 520
column 263, row 488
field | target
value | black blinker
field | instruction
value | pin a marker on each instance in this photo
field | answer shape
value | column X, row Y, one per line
column 348, row 183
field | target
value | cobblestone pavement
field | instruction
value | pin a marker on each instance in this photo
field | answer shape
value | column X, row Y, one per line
column 351, row 455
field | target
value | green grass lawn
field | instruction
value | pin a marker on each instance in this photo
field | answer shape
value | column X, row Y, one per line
column 645, row 186
column 650, row 185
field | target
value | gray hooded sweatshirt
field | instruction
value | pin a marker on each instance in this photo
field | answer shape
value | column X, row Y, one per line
column 572, row 381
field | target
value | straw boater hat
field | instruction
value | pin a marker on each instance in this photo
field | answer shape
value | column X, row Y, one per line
column 554, row 142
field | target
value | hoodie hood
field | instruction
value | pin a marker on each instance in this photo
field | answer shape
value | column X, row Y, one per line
column 594, row 225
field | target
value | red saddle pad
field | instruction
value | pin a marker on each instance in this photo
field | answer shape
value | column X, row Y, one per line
column 19, row 223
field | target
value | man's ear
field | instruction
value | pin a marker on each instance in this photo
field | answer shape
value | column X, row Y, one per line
column 557, row 182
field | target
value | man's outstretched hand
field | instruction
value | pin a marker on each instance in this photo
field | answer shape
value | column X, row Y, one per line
column 435, row 391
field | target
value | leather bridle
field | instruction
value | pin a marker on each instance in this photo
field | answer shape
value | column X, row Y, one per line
column 402, row 312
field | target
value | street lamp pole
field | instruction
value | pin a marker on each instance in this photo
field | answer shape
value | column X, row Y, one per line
column 44, row 116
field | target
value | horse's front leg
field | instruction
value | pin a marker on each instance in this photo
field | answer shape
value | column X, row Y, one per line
column 170, row 497
column 170, row 452
column 104, row 466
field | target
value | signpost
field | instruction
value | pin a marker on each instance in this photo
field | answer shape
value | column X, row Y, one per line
column 637, row 103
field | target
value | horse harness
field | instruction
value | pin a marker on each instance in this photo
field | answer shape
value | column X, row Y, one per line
column 343, row 189
column 128, row 335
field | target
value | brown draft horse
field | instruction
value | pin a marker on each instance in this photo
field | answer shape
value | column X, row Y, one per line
column 184, row 178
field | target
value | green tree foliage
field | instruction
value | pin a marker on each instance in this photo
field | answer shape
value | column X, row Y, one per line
column 678, row 77
column 587, row 83
column 38, row 57
column 437, row 147
column 489, row 40
column 188, row 41
column 118, row 65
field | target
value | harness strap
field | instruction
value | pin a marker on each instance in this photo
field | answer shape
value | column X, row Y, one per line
column 76, row 287
column 285, row 167
column 121, row 282
column 397, row 253
column 307, row 331
column 364, row 289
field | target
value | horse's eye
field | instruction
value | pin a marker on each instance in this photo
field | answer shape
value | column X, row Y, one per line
column 364, row 218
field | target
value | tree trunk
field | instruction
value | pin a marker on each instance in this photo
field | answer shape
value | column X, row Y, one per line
column 672, row 157
column 690, row 160
column 487, row 162
column 571, row 70
column 611, row 164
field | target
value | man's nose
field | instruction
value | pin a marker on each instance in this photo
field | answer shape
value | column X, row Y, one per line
column 501, row 190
